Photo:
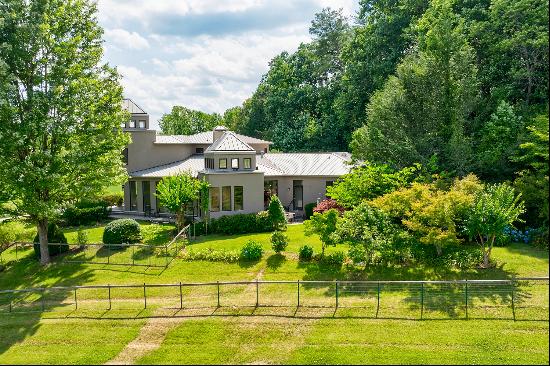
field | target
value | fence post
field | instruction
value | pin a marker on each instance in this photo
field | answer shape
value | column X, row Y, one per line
column 466, row 298
column 378, row 300
column 336, row 293
column 75, row 300
column 43, row 299
column 218, row 286
column 181, row 298
column 513, row 306
column 109, row 288
column 257, row 293
column 298, row 293
column 144, row 297
column 422, row 301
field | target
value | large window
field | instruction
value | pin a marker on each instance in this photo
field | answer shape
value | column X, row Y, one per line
column 234, row 163
column 160, row 209
column 226, row 198
column 214, row 199
column 133, row 195
column 223, row 163
column 238, row 198
column 209, row 163
column 146, row 192
column 125, row 156
column 247, row 163
column 271, row 187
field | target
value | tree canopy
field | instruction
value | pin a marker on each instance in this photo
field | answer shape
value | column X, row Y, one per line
column 60, row 109
column 185, row 121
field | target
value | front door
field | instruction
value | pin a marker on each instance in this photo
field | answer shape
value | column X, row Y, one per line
column 298, row 195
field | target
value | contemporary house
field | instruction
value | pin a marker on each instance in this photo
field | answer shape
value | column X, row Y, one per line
column 241, row 170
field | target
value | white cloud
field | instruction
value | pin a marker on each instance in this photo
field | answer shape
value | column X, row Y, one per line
column 126, row 40
column 209, row 72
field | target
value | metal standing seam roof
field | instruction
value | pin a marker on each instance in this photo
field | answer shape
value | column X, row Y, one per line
column 229, row 142
column 203, row 138
column 132, row 107
column 306, row 164
column 272, row 165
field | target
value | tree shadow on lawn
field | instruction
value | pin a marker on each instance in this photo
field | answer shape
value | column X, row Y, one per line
column 27, row 307
column 446, row 299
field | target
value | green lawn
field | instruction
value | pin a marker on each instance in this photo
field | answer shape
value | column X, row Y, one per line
column 240, row 333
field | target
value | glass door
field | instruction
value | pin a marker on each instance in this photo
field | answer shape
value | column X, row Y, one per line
column 298, row 195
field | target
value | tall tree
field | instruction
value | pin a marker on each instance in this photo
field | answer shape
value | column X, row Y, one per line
column 422, row 111
column 185, row 121
column 60, row 108
column 379, row 42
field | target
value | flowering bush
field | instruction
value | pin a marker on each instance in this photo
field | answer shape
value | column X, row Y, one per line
column 327, row 204
column 511, row 235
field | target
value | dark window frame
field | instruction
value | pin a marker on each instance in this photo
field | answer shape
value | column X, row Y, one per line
column 249, row 160
column 233, row 167
column 217, row 190
column 220, row 163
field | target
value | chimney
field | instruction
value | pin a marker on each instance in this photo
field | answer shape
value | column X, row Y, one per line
column 218, row 132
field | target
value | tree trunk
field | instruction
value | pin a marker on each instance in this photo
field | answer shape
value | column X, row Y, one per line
column 438, row 250
column 43, row 238
column 485, row 259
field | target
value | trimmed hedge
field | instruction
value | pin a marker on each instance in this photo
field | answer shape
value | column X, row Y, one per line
column 122, row 231
column 235, row 224
column 113, row 199
column 56, row 236
column 87, row 212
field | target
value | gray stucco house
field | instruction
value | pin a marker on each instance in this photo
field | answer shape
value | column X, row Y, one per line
column 241, row 170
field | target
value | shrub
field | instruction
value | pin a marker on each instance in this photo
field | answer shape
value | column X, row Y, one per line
column 308, row 210
column 276, row 213
column 334, row 259
column 328, row 204
column 81, row 237
column 86, row 212
column 305, row 253
column 122, row 231
column 212, row 255
column 251, row 251
column 56, row 236
column 113, row 199
column 279, row 241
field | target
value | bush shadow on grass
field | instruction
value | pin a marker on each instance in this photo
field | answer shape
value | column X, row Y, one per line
column 275, row 261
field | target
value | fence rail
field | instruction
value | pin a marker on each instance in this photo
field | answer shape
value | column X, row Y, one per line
column 525, row 297
column 132, row 254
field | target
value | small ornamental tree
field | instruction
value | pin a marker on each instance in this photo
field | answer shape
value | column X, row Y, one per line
column 177, row 192
column 494, row 208
column 279, row 241
column 323, row 225
column 328, row 204
column 276, row 213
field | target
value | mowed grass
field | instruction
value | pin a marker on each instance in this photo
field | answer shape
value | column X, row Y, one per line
column 28, row 339
column 245, row 334
column 352, row 341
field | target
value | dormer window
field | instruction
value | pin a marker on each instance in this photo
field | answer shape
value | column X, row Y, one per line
column 235, row 163
column 133, row 123
column 141, row 124
column 123, row 124
column 247, row 163
column 223, row 163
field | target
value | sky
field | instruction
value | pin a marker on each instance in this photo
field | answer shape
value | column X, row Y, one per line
column 208, row 55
